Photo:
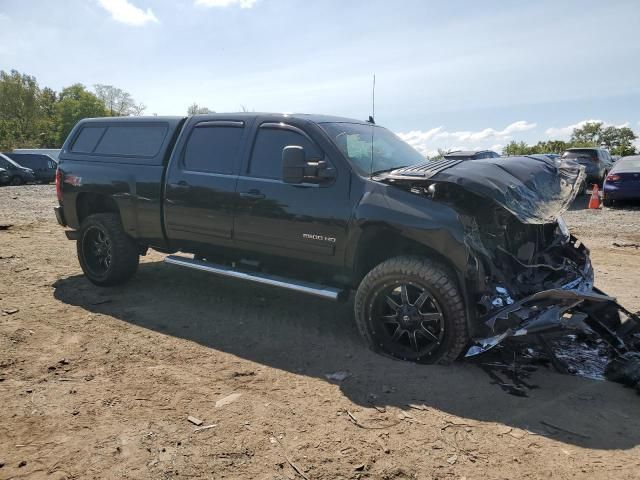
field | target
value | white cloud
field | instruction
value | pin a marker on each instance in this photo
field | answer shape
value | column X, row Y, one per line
column 225, row 3
column 563, row 133
column 427, row 142
column 125, row 12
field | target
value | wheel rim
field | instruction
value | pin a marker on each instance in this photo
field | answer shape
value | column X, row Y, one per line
column 96, row 247
column 408, row 320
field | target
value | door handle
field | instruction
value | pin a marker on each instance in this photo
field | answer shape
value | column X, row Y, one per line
column 252, row 195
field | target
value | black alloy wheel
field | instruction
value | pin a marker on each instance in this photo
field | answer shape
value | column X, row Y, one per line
column 409, row 320
column 96, row 247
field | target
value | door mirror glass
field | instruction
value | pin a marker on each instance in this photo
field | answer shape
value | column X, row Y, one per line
column 293, row 164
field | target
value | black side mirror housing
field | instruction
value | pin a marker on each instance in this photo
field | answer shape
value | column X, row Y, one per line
column 293, row 164
column 297, row 169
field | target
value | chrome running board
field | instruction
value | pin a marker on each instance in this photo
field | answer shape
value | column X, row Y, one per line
column 314, row 289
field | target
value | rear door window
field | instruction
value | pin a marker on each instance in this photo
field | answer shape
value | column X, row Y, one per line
column 266, row 157
column 214, row 149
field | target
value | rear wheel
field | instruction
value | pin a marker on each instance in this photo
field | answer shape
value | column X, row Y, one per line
column 107, row 255
column 16, row 181
column 410, row 308
column 607, row 202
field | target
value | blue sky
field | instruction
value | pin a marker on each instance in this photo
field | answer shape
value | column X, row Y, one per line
column 449, row 74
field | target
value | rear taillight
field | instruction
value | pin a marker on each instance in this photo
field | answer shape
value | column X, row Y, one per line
column 59, row 185
column 613, row 178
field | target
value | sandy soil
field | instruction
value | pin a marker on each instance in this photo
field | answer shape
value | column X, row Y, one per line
column 98, row 383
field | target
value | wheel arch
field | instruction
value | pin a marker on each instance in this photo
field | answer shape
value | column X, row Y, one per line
column 378, row 243
column 88, row 203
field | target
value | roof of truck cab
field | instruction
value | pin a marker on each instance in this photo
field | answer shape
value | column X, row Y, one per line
column 312, row 117
column 132, row 119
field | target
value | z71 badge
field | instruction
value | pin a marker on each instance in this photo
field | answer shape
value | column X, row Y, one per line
column 311, row 236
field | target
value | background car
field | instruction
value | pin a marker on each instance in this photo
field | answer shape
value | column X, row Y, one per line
column 623, row 181
column 4, row 176
column 597, row 162
column 470, row 155
column 17, row 173
column 43, row 166
column 52, row 152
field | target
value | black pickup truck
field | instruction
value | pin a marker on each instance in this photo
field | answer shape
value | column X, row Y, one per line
column 445, row 257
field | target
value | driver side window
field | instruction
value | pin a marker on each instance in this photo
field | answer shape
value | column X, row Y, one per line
column 266, row 157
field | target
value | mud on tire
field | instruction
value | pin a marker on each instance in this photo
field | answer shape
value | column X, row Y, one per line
column 410, row 308
column 107, row 255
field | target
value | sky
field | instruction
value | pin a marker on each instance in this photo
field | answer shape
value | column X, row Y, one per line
column 449, row 75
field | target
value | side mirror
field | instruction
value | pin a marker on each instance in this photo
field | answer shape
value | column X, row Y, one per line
column 297, row 169
column 293, row 164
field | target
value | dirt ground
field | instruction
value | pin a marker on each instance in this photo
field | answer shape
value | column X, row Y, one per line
column 98, row 383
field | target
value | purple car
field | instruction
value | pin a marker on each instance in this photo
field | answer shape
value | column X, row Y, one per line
column 623, row 181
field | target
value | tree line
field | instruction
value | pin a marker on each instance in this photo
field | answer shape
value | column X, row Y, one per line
column 618, row 140
column 39, row 117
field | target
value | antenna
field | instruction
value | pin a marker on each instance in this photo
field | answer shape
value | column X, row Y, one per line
column 372, row 120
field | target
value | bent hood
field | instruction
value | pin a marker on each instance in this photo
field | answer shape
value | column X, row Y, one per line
column 535, row 190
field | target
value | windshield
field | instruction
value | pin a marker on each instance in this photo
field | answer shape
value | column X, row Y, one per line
column 360, row 143
column 7, row 162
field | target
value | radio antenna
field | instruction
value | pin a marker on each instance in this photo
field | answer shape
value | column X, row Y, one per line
column 372, row 120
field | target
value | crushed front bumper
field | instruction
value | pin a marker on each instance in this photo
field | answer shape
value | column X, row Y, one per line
column 576, row 306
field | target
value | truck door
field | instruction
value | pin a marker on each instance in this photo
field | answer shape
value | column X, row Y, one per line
column 201, row 185
column 305, row 221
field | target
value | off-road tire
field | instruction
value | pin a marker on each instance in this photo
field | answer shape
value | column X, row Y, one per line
column 439, row 280
column 124, row 250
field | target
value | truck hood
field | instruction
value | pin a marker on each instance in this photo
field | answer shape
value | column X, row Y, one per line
column 534, row 190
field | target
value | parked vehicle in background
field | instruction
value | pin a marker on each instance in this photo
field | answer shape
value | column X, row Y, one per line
column 542, row 156
column 596, row 161
column 17, row 173
column 4, row 176
column 470, row 155
column 43, row 166
column 623, row 181
column 52, row 152
column 441, row 254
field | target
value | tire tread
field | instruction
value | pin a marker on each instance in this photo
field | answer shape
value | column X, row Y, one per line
column 432, row 273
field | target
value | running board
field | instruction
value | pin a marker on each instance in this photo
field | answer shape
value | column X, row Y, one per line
column 257, row 277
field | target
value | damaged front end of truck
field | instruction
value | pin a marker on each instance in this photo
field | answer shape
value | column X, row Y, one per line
column 529, row 277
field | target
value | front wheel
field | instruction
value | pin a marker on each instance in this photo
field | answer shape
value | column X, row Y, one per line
column 410, row 308
column 16, row 181
column 107, row 255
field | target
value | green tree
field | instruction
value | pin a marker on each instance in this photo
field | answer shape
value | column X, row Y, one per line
column 46, row 122
column 516, row 148
column 619, row 140
column 75, row 103
column 589, row 135
column 19, row 109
